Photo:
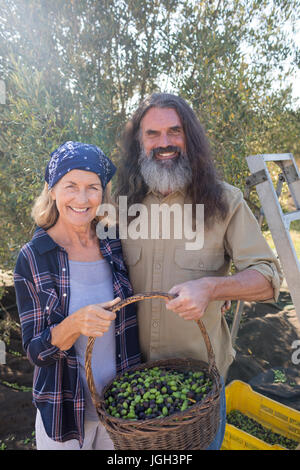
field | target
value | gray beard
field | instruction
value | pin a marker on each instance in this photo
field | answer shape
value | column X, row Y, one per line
column 165, row 176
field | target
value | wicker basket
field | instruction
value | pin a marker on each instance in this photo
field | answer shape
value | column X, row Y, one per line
column 194, row 428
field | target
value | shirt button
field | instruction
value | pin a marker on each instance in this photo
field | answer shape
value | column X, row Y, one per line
column 64, row 269
column 155, row 324
column 201, row 265
column 119, row 355
column 47, row 308
column 65, row 295
column 158, row 266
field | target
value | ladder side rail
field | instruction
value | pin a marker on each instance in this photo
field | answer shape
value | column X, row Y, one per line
column 292, row 177
column 281, row 236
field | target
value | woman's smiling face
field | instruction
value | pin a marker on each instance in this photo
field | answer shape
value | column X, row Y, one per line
column 78, row 195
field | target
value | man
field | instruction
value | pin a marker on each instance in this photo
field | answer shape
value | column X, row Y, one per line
column 166, row 160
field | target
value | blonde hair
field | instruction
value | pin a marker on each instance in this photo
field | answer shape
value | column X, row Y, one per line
column 45, row 214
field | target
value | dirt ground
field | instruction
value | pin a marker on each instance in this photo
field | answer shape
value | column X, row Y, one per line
column 264, row 342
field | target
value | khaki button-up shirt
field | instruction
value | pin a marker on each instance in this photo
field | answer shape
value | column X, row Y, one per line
column 157, row 264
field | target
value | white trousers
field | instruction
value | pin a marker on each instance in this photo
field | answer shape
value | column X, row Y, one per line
column 95, row 438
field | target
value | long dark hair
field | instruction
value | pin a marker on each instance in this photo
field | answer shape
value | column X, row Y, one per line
column 206, row 187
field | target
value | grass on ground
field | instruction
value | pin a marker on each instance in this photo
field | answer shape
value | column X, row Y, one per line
column 295, row 236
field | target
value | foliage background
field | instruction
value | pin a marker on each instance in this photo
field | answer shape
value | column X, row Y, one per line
column 75, row 69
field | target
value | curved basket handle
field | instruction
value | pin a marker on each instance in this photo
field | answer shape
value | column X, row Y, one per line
column 118, row 306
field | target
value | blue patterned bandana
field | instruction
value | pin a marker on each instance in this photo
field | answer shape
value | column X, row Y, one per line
column 78, row 156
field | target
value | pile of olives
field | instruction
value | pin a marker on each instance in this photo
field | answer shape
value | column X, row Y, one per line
column 155, row 393
column 251, row 426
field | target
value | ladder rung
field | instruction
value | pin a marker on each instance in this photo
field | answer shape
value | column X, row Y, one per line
column 269, row 157
column 289, row 217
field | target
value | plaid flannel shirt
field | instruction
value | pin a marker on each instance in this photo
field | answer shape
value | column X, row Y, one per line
column 42, row 286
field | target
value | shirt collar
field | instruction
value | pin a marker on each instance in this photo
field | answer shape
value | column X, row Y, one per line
column 43, row 242
column 161, row 196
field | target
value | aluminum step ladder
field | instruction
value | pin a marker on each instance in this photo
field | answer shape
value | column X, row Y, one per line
column 278, row 222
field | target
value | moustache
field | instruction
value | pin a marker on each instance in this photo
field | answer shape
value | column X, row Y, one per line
column 170, row 148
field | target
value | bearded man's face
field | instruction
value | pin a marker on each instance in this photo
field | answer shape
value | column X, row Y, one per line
column 163, row 161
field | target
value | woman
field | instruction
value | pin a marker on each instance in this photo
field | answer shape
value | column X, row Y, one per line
column 65, row 279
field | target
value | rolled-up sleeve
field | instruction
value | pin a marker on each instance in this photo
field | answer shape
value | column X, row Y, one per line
column 36, row 332
column 247, row 247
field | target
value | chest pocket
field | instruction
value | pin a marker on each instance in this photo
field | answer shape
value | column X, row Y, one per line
column 132, row 255
column 51, row 306
column 133, row 258
column 202, row 262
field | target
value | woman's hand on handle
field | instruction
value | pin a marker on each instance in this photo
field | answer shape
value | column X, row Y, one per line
column 92, row 320
column 95, row 320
